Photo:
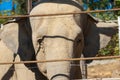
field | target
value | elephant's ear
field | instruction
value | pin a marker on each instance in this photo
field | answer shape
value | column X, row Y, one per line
column 93, row 40
column 17, row 37
column 9, row 35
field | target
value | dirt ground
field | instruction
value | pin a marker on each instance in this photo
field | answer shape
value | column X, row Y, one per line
column 104, row 69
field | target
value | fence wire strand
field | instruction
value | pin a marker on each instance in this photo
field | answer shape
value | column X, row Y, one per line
column 60, row 60
column 57, row 14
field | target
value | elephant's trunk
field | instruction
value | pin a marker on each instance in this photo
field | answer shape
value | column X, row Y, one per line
column 58, row 48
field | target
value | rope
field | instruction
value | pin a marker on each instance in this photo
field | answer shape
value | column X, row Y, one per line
column 82, row 12
column 59, row 60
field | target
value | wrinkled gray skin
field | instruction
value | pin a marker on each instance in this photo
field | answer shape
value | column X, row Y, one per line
column 64, row 36
column 16, row 45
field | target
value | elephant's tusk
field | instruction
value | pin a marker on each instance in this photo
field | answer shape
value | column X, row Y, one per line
column 1, row 26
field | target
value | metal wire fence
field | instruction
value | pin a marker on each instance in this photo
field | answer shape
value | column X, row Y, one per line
column 59, row 60
column 73, row 59
column 56, row 14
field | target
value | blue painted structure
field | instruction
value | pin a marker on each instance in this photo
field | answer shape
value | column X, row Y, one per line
column 7, row 5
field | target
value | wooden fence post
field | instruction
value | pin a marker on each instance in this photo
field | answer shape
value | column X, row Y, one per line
column 29, row 5
column 119, row 31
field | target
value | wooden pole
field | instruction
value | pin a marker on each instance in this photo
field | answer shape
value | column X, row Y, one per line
column 29, row 6
column 60, row 60
column 57, row 14
column 119, row 31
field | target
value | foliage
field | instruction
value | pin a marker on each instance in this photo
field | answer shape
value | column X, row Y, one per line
column 21, row 6
column 101, row 5
column 112, row 48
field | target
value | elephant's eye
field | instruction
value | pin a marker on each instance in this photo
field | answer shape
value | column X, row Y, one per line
column 78, row 41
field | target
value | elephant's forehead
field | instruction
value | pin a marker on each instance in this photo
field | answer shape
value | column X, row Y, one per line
column 52, row 8
column 62, row 25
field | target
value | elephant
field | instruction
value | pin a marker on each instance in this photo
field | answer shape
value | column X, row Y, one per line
column 64, row 36
column 16, row 45
column 53, row 37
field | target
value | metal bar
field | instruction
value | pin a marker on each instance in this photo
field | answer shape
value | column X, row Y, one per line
column 29, row 6
column 56, row 14
column 59, row 60
column 119, row 31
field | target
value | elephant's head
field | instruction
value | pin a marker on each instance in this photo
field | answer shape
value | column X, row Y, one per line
column 63, row 36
